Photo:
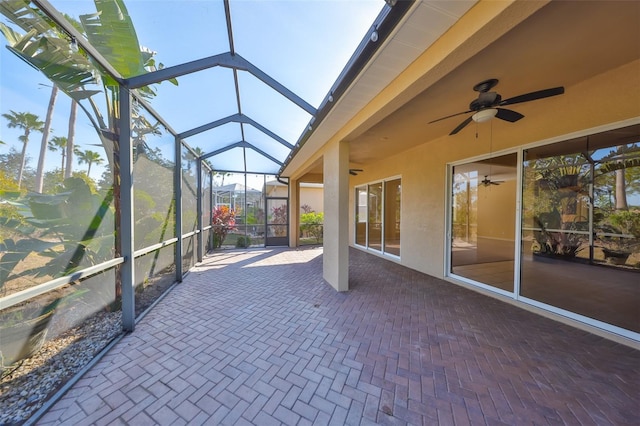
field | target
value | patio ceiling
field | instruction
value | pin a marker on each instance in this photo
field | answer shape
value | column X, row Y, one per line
column 530, row 46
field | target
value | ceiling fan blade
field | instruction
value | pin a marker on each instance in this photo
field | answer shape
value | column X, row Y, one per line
column 449, row 116
column 508, row 115
column 461, row 126
column 540, row 94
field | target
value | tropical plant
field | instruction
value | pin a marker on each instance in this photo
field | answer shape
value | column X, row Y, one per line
column 88, row 157
column 71, row 135
column 74, row 72
column 67, row 231
column 278, row 220
column 28, row 123
column 10, row 163
column 621, row 231
column 223, row 221
column 73, row 229
column 59, row 143
column 620, row 170
column 45, row 137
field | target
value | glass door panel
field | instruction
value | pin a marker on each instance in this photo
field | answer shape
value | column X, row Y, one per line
column 361, row 216
column 392, row 193
column 375, row 217
column 483, row 221
column 581, row 226
column 277, row 222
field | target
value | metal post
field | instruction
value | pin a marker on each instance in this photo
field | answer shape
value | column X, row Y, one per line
column 177, row 177
column 199, row 207
column 126, row 211
column 210, row 208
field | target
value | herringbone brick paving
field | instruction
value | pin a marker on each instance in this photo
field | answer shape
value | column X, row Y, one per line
column 258, row 338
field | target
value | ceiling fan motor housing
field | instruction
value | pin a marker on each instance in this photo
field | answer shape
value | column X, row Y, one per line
column 485, row 100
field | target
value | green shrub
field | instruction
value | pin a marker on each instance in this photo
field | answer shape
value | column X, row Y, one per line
column 312, row 224
column 243, row 242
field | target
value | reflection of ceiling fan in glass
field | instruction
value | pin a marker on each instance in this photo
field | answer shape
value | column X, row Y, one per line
column 486, row 181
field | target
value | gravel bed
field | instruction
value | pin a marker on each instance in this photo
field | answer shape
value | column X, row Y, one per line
column 25, row 387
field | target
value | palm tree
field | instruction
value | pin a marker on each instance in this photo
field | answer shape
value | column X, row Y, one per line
column 71, row 136
column 45, row 138
column 59, row 143
column 28, row 123
column 89, row 157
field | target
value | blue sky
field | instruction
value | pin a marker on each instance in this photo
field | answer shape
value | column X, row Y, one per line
column 302, row 44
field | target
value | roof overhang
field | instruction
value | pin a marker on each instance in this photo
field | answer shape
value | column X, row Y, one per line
column 528, row 46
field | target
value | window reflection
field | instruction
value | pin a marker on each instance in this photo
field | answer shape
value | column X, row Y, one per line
column 361, row 216
column 392, row 193
column 483, row 221
column 377, row 216
column 581, row 210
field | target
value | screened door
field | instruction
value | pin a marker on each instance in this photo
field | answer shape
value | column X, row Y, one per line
column 277, row 222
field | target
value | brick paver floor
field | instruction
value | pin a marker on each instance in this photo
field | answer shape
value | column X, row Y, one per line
column 258, row 338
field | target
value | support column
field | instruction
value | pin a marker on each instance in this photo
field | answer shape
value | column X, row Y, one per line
column 335, row 261
column 126, row 232
column 294, row 213
column 199, row 237
column 178, row 206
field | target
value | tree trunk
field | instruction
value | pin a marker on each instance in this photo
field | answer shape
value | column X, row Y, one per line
column 45, row 137
column 23, row 157
column 621, row 191
column 64, row 153
column 70, row 138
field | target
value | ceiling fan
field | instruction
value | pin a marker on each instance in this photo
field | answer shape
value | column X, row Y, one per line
column 486, row 181
column 488, row 104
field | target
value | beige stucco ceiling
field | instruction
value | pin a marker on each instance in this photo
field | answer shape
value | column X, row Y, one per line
column 559, row 44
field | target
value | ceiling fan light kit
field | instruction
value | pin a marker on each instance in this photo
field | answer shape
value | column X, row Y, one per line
column 488, row 104
column 484, row 115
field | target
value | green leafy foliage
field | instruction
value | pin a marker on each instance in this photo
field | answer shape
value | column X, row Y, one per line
column 243, row 242
column 311, row 223
column 71, row 229
column 223, row 220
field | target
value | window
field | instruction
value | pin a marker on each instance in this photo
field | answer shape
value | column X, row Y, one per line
column 581, row 226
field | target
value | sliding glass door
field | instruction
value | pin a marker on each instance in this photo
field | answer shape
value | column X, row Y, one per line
column 378, row 213
column 483, row 221
column 581, row 226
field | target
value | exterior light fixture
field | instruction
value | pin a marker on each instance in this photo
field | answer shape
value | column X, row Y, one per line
column 484, row 115
column 330, row 98
column 374, row 35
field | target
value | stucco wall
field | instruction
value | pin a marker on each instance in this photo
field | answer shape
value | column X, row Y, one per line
column 309, row 195
column 497, row 211
column 605, row 99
